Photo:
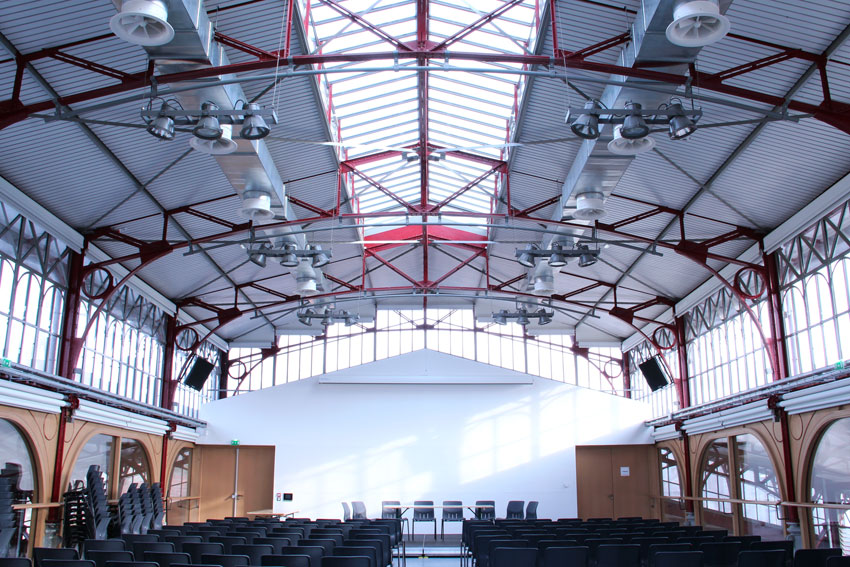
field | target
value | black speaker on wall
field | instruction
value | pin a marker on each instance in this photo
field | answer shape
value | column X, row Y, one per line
column 655, row 373
column 199, row 373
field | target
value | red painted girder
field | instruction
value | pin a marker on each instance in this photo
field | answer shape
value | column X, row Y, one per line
column 312, row 208
column 90, row 65
column 362, row 22
column 755, row 65
column 505, row 284
column 260, row 54
column 343, row 283
column 479, row 23
column 601, row 46
column 838, row 115
column 350, row 164
column 537, row 207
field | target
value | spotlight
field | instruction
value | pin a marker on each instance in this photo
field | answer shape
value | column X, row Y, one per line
column 544, row 317
column 162, row 126
column 321, row 258
column 221, row 146
column 522, row 317
column 587, row 125
column 681, row 125
column 557, row 259
column 351, row 319
column 525, row 258
column 254, row 127
column 258, row 258
column 207, row 127
column 501, row 317
column 587, row 257
column 305, row 317
column 289, row 259
column 634, row 126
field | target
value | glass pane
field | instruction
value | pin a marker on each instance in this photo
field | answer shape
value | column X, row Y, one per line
column 758, row 483
column 831, row 484
column 180, row 487
column 715, row 485
column 134, row 465
column 14, row 451
column 98, row 451
column 671, row 510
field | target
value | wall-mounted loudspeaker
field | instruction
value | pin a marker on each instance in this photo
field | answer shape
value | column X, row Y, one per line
column 199, row 373
column 655, row 373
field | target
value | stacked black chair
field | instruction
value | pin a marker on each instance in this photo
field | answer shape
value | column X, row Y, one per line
column 98, row 508
column 129, row 513
column 145, row 507
column 9, row 480
column 75, row 520
column 157, row 506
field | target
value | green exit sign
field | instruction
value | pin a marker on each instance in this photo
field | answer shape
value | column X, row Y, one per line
column 234, row 442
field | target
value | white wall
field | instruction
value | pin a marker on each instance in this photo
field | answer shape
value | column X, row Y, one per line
column 373, row 442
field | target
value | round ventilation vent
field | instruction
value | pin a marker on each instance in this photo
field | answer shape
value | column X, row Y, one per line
column 697, row 23
column 222, row 146
column 629, row 147
column 143, row 22
column 256, row 205
column 590, row 206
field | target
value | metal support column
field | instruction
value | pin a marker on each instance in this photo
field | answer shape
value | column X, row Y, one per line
column 70, row 317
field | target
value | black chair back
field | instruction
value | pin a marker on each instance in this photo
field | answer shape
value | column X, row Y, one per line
column 286, row 561
column 578, row 556
column 762, row 558
column 225, row 560
column 513, row 557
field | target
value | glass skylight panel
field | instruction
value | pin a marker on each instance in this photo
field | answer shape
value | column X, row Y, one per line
column 469, row 110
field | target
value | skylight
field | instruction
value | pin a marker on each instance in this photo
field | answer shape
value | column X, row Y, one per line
column 470, row 108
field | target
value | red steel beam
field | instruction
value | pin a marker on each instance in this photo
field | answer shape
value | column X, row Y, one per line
column 454, row 270
column 371, row 254
column 260, row 54
column 89, row 65
column 836, row 115
column 467, row 187
column 601, row 46
column 410, row 208
column 312, row 208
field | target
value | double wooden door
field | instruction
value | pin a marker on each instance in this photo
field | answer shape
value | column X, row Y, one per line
column 225, row 470
column 616, row 481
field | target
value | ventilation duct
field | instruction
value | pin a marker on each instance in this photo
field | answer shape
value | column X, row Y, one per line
column 697, row 23
column 629, row 146
column 256, row 205
column 590, row 206
column 143, row 22
column 220, row 146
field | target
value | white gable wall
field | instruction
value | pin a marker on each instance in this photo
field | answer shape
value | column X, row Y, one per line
column 374, row 442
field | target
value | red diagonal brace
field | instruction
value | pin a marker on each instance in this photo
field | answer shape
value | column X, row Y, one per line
column 468, row 186
column 454, row 270
column 383, row 190
column 260, row 54
column 393, row 268
column 362, row 22
column 481, row 22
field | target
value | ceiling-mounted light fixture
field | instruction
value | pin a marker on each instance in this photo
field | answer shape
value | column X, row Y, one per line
column 162, row 126
column 258, row 255
column 143, row 22
column 681, row 125
column 305, row 316
column 254, row 127
column 221, row 146
column 629, row 147
column 523, row 316
column 587, row 125
column 587, row 257
column 697, row 23
column 208, row 127
column 288, row 259
column 590, row 205
column 320, row 257
column 410, row 157
column 634, row 126
column 557, row 259
column 328, row 316
column 526, row 257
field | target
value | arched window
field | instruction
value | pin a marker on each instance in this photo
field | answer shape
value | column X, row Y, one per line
column 830, row 484
column 98, row 451
column 180, row 487
column 133, row 466
column 14, row 450
column 672, row 509
column 757, row 483
column 715, row 487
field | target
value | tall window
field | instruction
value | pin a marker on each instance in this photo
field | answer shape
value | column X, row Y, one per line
column 672, row 509
column 830, row 484
column 715, row 487
column 180, row 488
column 33, row 272
column 133, row 465
column 758, row 483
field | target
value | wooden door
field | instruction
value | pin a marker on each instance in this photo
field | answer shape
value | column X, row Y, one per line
column 217, row 464
column 615, row 481
column 595, row 484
